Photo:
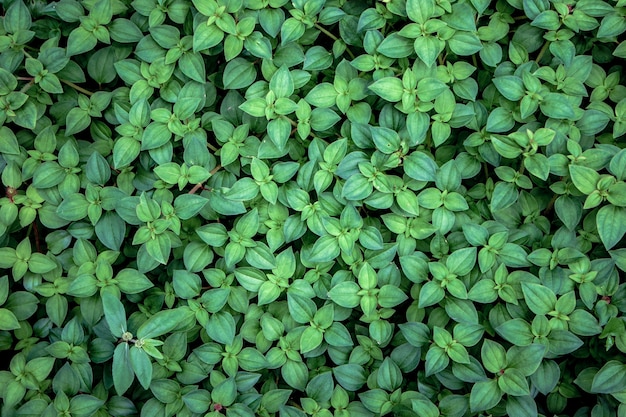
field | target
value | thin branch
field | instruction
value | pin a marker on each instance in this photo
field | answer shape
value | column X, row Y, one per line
column 333, row 37
column 550, row 205
column 36, row 231
column 27, row 86
column 76, row 87
column 196, row 187
column 543, row 50
column 214, row 170
column 200, row 185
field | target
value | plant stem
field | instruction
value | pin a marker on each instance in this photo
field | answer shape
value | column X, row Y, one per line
column 543, row 50
column 200, row 185
column 550, row 205
column 36, row 230
column 196, row 187
column 217, row 168
column 442, row 58
column 295, row 125
column 76, row 87
column 333, row 37
column 27, row 86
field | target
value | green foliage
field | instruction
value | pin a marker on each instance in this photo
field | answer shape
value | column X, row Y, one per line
column 312, row 208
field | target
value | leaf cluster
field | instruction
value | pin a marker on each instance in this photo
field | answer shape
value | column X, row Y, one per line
column 312, row 208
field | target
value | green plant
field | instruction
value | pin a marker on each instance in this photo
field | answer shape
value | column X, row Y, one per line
column 316, row 207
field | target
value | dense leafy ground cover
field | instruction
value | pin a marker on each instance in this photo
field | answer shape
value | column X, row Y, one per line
column 312, row 208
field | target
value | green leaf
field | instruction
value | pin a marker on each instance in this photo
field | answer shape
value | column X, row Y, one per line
column 525, row 359
column 311, row 339
column 80, row 41
column 122, row 370
column 291, row 30
column 17, row 17
column 159, row 248
column 207, row 36
column 192, row 65
column 187, row 206
column 538, row 165
column 239, row 73
column 485, row 395
column 425, row 408
column 563, row 342
column 111, row 230
column 163, row 322
column 357, row 187
column 420, row 11
column 221, row 327
column 155, row 135
column 510, row 86
column 142, row 367
column 97, row 169
column 8, row 321
column 389, row 376
column 325, row 249
column 500, row 120
column 40, row 264
column 436, row 360
column 77, row 120
column 301, row 309
column 464, row 43
column 417, row 334
column 9, row 145
column 462, row 261
column 391, row 296
column 556, row 106
column 131, row 281
column 585, row 179
column 428, row 48
column 516, row 331
column 124, row 31
column 611, row 225
column 611, row 26
column 430, row 294
column 513, row 382
column 493, row 356
column 345, row 294
column 114, row 313
column 198, row 401
column 504, row 195
column 388, row 88
column 83, row 405
column 611, row 378
column 322, row 95
column 282, row 83
column 420, row 166
column 540, row 299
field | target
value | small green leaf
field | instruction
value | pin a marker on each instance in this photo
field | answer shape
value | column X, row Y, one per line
column 114, row 313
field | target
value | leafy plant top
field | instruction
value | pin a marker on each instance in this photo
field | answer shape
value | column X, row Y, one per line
column 312, row 208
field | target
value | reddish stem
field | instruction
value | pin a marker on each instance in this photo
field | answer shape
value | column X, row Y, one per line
column 36, row 231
